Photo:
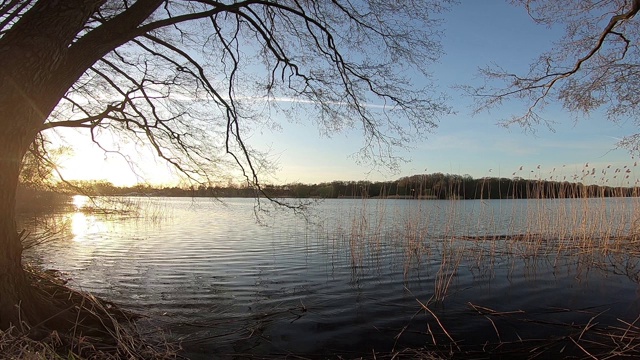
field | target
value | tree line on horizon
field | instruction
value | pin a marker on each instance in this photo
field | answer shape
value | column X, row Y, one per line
column 423, row 186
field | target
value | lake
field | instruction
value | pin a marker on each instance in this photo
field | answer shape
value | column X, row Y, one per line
column 478, row 278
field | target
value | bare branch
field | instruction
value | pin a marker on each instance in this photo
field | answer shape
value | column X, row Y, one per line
column 193, row 79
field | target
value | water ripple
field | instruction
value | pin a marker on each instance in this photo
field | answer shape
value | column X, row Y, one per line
column 350, row 280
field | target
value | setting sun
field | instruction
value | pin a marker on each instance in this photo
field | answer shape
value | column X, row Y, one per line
column 82, row 168
column 88, row 162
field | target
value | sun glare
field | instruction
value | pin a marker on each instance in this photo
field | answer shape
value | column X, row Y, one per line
column 79, row 201
column 83, row 227
column 87, row 162
column 115, row 171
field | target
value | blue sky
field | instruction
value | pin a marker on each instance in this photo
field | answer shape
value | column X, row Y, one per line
column 476, row 33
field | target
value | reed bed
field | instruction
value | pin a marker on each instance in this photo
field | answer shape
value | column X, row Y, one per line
column 585, row 230
column 533, row 228
column 151, row 209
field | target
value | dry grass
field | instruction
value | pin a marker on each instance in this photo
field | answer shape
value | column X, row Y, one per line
column 591, row 229
column 599, row 233
column 16, row 345
column 113, row 336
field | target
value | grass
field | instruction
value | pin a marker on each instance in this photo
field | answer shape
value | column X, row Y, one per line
column 101, row 330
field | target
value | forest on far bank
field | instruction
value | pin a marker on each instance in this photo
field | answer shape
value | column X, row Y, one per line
column 424, row 186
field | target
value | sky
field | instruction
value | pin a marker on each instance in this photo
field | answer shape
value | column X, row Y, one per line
column 476, row 34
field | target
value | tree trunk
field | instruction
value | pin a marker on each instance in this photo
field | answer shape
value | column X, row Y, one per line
column 12, row 277
column 41, row 57
column 32, row 52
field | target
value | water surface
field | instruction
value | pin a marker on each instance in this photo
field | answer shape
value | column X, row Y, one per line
column 353, row 277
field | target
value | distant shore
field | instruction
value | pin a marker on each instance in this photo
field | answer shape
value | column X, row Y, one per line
column 426, row 186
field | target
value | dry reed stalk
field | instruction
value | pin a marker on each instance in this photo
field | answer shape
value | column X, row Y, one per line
column 435, row 317
column 426, row 308
column 451, row 259
column 485, row 310
column 397, row 337
column 583, row 349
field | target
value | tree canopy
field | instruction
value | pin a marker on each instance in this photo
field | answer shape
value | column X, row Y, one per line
column 190, row 79
column 593, row 66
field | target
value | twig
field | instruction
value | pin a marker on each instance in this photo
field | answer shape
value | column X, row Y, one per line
column 433, row 338
column 494, row 312
column 583, row 349
column 397, row 337
column 438, row 321
column 627, row 330
column 589, row 326
column 494, row 327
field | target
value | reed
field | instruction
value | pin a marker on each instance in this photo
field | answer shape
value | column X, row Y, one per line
column 572, row 225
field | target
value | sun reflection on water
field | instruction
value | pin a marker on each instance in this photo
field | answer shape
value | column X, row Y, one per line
column 79, row 201
column 86, row 227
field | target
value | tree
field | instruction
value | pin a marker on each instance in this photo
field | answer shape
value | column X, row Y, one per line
column 595, row 65
column 39, row 164
column 190, row 77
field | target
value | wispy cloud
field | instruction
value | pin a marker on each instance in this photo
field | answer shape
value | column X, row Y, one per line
column 294, row 100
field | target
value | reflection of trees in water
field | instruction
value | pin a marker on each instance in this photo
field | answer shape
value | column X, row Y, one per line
column 621, row 263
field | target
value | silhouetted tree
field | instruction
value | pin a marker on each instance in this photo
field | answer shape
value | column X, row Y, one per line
column 190, row 77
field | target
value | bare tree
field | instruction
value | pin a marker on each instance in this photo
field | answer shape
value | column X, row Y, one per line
column 595, row 65
column 190, row 77
column 39, row 164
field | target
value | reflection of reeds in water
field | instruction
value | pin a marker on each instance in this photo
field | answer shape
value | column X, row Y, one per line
column 365, row 237
column 357, row 238
column 573, row 226
column 449, row 264
column 571, row 221
column 414, row 239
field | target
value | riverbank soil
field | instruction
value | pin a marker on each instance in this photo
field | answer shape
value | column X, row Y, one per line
column 72, row 324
